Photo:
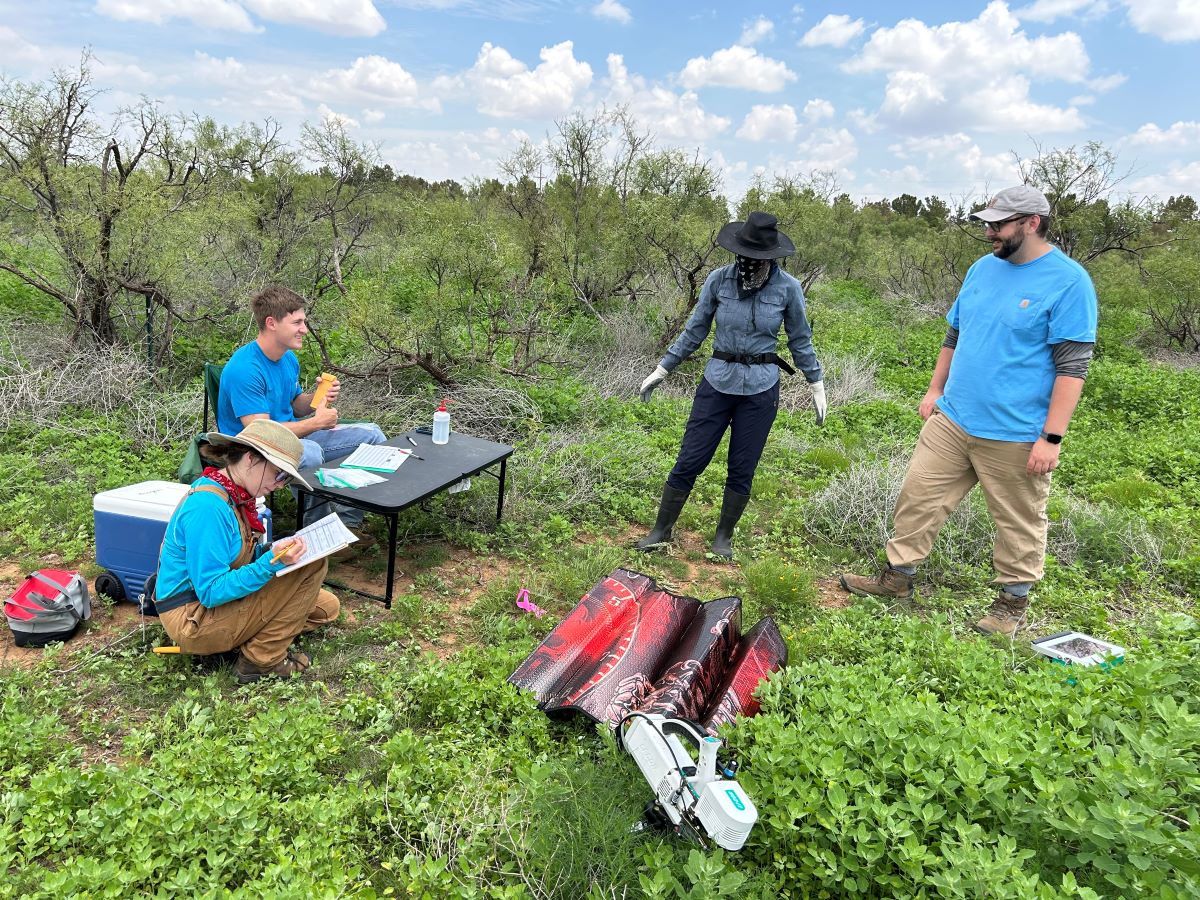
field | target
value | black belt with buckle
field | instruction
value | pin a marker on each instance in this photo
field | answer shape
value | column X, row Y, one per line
column 754, row 359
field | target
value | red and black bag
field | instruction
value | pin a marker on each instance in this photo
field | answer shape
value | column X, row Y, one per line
column 48, row 607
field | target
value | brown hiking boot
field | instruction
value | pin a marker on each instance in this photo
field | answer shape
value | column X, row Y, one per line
column 293, row 664
column 890, row 584
column 1006, row 616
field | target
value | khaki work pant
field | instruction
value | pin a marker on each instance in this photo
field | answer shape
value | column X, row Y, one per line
column 946, row 464
column 262, row 624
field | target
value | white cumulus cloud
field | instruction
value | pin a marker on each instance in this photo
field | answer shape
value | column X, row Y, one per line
column 1181, row 134
column 355, row 18
column 1172, row 20
column 451, row 155
column 328, row 115
column 372, row 79
column 1180, row 178
column 1050, row 10
column 833, row 31
column 817, row 109
column 824, row 150
column 769, row 123
column 934, row 76
column 612, row 10
column 758, row 30
column 672, row 115
column 223, row 14
column 220, row 71
column 737, row 67
column 504, row 87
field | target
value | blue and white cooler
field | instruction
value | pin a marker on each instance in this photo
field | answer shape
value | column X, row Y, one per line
column 130, row 524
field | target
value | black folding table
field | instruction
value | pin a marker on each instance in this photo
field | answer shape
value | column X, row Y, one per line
column 440, row 467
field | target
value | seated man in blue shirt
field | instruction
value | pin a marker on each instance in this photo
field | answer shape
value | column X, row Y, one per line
column 262, row 381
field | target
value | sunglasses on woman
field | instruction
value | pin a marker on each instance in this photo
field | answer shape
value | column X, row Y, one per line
column 282, row 479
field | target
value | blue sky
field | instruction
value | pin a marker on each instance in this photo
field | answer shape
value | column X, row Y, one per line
column 921, row 97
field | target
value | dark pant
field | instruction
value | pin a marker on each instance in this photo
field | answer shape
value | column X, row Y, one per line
column 749, row 417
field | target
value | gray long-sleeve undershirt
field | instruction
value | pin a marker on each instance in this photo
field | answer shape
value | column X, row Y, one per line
column 1070, row 357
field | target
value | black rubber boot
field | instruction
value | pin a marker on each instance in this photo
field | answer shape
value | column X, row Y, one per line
column 732, row 508
column 668, row 511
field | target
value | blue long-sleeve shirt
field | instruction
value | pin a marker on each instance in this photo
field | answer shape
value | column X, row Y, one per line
column 203, row 539
column 749, row 327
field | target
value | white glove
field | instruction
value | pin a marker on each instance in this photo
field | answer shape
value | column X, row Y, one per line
column 819, row 401
column 652, row 381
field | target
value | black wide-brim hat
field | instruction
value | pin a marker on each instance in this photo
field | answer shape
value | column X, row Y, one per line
column 758, row 237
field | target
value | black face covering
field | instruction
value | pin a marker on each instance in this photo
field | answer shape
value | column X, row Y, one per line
column 752, row 274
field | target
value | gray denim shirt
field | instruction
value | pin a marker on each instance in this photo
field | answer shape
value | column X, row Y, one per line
column 747, row 326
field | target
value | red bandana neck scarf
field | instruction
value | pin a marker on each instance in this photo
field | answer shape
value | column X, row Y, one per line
column 242, row 501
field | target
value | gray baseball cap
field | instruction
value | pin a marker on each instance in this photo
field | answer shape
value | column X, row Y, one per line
column 1021, row 200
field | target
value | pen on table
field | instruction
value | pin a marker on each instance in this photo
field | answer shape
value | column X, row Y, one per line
column 408, row 437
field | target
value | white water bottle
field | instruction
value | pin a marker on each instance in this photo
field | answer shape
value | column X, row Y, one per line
column 441, row 425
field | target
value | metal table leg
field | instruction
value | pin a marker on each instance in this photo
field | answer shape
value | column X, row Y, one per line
column 500, row 498
column 391, row 575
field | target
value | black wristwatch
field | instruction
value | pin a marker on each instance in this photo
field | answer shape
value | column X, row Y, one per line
column 1051, row 438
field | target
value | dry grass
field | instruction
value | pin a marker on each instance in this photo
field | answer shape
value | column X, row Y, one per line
column 566, row 472
column 43, row 377
column 848, row 379
column 477, row 408
column 855, row 510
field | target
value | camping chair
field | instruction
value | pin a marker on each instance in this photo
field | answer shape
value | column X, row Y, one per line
column 193, row 464
column 212, row 386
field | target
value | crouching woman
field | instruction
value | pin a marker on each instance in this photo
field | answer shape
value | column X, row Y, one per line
column 217, row 588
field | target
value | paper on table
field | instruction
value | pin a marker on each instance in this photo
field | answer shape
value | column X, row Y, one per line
column 348, row 478
column 323, row 537
column 376, row 458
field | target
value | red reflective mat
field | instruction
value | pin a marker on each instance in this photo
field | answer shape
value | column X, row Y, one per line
column 629, row 645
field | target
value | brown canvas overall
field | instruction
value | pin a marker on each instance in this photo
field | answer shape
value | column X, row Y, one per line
column 263, row 623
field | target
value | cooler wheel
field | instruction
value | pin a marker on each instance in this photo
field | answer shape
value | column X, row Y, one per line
column 110, row 586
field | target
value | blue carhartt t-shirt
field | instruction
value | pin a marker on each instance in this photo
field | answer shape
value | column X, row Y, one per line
column 253, row 383
column 1008, row 317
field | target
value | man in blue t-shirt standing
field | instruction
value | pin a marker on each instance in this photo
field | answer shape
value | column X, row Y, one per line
column 1006, row 383
column 262, row 381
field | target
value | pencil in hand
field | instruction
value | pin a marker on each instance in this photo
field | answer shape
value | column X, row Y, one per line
column 282, row 551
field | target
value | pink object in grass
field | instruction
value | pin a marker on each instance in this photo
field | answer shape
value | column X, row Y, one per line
column 523, row 602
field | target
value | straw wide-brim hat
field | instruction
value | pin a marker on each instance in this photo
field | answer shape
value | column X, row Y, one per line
column 277, row 444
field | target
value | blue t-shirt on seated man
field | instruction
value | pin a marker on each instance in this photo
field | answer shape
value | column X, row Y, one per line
column 262, row 380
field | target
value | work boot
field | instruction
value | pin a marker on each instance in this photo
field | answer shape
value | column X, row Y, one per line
column 290, row 666
column 664, row 526
column 1006, row 615
column 732, row 507
column 890, row 584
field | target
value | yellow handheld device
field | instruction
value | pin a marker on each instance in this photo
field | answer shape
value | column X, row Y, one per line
column 324, row 383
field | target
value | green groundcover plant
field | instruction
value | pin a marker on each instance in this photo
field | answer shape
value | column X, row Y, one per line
column 891, row 759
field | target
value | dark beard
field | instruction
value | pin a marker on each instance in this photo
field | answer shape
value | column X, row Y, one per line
column 1009, row 246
